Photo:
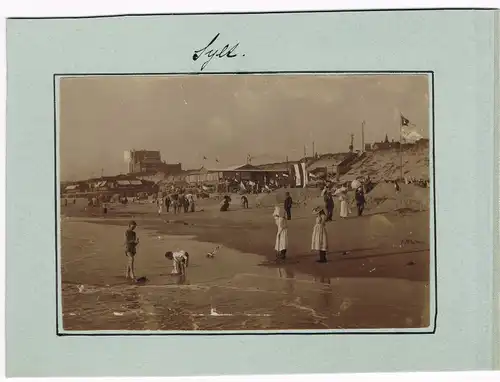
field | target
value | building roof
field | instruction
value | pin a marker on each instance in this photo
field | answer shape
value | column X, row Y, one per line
column 232, row 168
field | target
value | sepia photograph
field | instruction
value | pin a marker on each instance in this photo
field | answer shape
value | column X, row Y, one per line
column 244, row 202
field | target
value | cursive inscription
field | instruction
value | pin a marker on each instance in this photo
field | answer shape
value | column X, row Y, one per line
column 209, row 52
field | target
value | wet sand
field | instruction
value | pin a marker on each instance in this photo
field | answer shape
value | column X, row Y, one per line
column 377, row 275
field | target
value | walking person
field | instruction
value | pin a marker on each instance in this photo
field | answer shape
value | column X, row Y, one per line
column 282, row 235
column 288, row 206
column 131, row 242
column 320, row 236
column 360, row 200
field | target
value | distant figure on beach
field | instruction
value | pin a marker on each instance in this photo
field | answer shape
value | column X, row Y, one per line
column 131, row 242
column 360, row 200
column 282, row 234
column 180, row 261
column 175, row 203
column 225, row 203
column 344, row 206
column 396, row 186
column 185, row 203
column 288, row 206
column 244, row 201
column 329, row 205
column 159, row 204
column 65, row 202
column 167, row 203
column 74, row 201
column 190, row 200
column 320, row 236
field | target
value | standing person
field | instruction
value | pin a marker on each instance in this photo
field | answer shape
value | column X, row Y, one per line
column 159, row 204
column 282, row 234
column 167, row 203
column 192, row 204
column 360, row 200
column 185, row 203
column 320, row 236
column 131, row 242
column 396, row 186
column 288, row 206
column 329, row 205
column 175, row 203
column 344, row 208
column 244, row 201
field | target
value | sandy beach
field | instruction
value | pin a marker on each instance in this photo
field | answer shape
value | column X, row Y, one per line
column 377, row 275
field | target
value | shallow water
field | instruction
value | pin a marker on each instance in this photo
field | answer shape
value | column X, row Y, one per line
column 231, row 292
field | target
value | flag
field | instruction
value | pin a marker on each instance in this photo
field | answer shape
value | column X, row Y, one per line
column 217, row 160
column 405, row 121
column 408, row 131
column 298, row 177
column 305, row 175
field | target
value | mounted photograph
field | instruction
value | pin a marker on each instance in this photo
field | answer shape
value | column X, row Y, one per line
column 285, row 203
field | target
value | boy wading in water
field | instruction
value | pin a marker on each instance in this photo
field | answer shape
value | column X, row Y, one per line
column 180, row 260
column 131, row 242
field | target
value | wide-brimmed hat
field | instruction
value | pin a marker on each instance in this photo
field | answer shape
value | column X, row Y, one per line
column 317, row 210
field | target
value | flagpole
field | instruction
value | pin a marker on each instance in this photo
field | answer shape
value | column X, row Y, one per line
column 401, row 146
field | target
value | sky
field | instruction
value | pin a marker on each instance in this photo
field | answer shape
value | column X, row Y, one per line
column 228, row 117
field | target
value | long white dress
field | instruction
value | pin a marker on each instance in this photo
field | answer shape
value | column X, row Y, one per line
column 282, row 234
column 319, row 236
column 344, row 208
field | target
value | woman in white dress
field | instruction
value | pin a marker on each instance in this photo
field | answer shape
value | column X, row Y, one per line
column 320, row 236
column 344, row 206
column 282, row 234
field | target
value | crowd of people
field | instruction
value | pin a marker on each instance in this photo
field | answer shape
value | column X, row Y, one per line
column 182, row 200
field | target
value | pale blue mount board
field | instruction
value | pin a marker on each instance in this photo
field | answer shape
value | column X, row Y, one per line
column 457, row 46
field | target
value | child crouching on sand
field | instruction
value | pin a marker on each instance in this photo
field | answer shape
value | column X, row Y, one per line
column 180, row 260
